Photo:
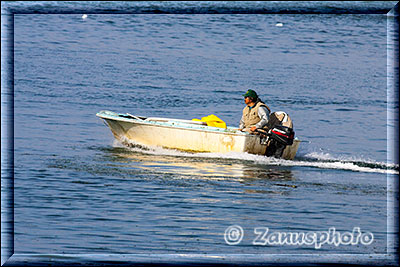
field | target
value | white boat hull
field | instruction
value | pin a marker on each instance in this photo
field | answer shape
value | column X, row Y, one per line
column 187, row 136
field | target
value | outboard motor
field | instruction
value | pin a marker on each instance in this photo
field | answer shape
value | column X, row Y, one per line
column 277, row 137
column 282, row 134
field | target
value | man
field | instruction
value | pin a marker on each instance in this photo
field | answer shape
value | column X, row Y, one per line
column 255, row 114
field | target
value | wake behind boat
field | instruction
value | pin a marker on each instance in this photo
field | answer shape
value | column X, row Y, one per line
column 188, row 135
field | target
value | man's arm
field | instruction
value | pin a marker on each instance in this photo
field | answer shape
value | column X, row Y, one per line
column 264, row 116
column 241, row 124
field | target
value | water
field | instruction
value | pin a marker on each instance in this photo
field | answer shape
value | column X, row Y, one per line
column 77, row 190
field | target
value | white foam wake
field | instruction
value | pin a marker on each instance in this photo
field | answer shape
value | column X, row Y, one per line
column 315, row 159
column 320, row 156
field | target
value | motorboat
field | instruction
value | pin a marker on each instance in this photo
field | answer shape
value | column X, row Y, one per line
column 187, row 135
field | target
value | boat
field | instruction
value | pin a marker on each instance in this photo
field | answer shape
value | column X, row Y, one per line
column 186, row 135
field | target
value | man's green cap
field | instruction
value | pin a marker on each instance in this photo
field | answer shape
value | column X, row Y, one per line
column 251, row 93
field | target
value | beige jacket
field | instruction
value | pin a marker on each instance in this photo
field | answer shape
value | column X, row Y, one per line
column 255, row 116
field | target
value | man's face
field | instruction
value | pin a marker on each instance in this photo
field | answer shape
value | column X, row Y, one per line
column 247, row 100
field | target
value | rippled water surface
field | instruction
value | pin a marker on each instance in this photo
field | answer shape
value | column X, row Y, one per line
column 77, row 190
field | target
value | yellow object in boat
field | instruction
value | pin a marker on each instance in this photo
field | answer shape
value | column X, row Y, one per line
column 213, row 121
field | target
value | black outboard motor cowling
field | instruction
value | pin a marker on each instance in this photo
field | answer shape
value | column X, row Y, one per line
column 277, row 139
column 282, row 134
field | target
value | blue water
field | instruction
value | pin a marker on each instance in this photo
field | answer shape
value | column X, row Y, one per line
column 77, row 190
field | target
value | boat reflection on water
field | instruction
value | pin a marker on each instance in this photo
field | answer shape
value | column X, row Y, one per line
column 201, row 166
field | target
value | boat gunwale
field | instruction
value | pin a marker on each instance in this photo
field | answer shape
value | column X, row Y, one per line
column 157, row 124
